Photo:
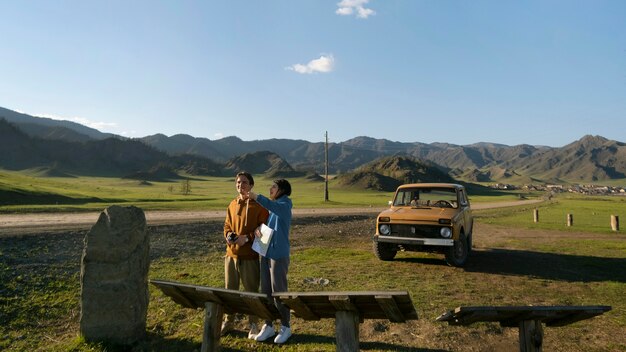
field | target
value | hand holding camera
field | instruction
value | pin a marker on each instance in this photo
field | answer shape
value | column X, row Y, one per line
column 231, row 237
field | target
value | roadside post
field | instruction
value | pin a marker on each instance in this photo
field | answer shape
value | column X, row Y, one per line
column 570, row 220
column 614, row 222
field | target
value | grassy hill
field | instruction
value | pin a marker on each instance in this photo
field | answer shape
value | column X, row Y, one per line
column 111, row 157
column 386, row 174
column 40, row 142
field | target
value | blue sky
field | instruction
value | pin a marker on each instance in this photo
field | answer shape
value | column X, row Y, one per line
column 462, row 72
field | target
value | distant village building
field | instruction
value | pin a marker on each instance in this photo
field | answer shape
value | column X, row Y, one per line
column 588, row 189
column 555, row 188
column 504, row 186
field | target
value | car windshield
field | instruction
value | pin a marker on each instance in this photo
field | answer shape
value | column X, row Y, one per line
column 427, row 197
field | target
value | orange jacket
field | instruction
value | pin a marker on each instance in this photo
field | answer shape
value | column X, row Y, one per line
column 236, row 215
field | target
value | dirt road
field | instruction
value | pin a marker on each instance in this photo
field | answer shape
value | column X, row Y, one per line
column 11, row 224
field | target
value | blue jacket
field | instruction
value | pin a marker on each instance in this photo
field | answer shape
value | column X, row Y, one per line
column 279, row 221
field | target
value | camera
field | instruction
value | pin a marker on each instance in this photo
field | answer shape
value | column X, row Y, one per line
column 232, row 237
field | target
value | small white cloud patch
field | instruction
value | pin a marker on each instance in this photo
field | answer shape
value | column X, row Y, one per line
column 349, row 7
column 323, row 64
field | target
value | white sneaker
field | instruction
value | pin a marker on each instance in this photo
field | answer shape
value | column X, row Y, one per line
column 285, row 333
column 254, row 330
column 267, row 331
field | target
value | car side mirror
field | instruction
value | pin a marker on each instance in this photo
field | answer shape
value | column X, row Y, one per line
column 390, row 202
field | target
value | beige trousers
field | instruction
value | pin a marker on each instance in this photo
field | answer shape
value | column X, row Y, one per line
column 246, row 271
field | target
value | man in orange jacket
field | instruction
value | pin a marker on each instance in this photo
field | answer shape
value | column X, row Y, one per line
column 241, row 263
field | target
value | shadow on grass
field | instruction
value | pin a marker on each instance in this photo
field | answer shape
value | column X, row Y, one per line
column 382, row 346
column 156, row 343
column 24, row 197
column 550, row 266
column 426, row 261
column 304, row 339
column 152, row 342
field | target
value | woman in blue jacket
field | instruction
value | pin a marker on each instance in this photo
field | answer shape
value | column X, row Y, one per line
column 275, row 263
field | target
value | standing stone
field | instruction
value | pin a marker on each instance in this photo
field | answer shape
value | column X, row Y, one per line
column 114, row 277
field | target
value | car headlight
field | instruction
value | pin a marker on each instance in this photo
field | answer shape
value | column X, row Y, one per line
column 384, row 229
column 445, row 232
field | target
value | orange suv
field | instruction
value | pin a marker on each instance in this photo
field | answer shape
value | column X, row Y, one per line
column 426, row 217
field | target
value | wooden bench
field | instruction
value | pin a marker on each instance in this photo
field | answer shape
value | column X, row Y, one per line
column 347, row 308
column 528, row 319
column 216, row 302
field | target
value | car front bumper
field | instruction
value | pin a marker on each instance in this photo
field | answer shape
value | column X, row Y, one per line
column 415, row 241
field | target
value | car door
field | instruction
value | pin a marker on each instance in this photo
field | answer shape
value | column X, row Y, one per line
column 464, row 206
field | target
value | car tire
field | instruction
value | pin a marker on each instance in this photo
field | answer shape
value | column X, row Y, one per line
column 458, row 253
column 385, row 251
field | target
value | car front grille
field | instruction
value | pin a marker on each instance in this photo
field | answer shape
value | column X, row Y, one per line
column 415, row 231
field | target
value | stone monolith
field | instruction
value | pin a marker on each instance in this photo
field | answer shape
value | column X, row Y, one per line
column 114, row 277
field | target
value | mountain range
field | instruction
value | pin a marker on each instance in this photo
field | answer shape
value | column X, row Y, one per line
column 65, row 147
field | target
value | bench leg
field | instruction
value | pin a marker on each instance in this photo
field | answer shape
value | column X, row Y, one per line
column 213, row 313
column 347, row 331
column 530, row 336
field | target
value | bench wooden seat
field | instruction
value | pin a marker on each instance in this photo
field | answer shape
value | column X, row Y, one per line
column 347, row 308
column 232, row 301
column 528, row 319
column 393, row 305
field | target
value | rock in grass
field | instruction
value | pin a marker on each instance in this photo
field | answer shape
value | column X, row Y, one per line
column 114, row 277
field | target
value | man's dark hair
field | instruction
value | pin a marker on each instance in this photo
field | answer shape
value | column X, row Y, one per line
column 283, row 186
column 246, row 175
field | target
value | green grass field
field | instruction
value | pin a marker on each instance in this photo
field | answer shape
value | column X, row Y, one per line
column 40, row 282
column 590, row 214
column 23, row 192
column 517, row 261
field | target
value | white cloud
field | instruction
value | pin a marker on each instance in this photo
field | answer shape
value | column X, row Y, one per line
column 364, row 13
column 348, row 7
column 218, row 135
column 324, row 64
column 344, row 11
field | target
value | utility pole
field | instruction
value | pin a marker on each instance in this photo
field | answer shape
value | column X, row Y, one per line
column 326, row 168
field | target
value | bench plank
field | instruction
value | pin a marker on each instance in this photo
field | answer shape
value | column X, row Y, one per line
column 528, row 319
column 210, row 295
column 572, row 318
column 178, row 296
column 512, row 315
column 390, row 307
column 231, row 301
column 299, row 307
column 259, row 307
column 321, row 305
column 342, row 303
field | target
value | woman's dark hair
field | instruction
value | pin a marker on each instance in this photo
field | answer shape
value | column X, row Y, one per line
column 246, row 175
column 283, row 186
